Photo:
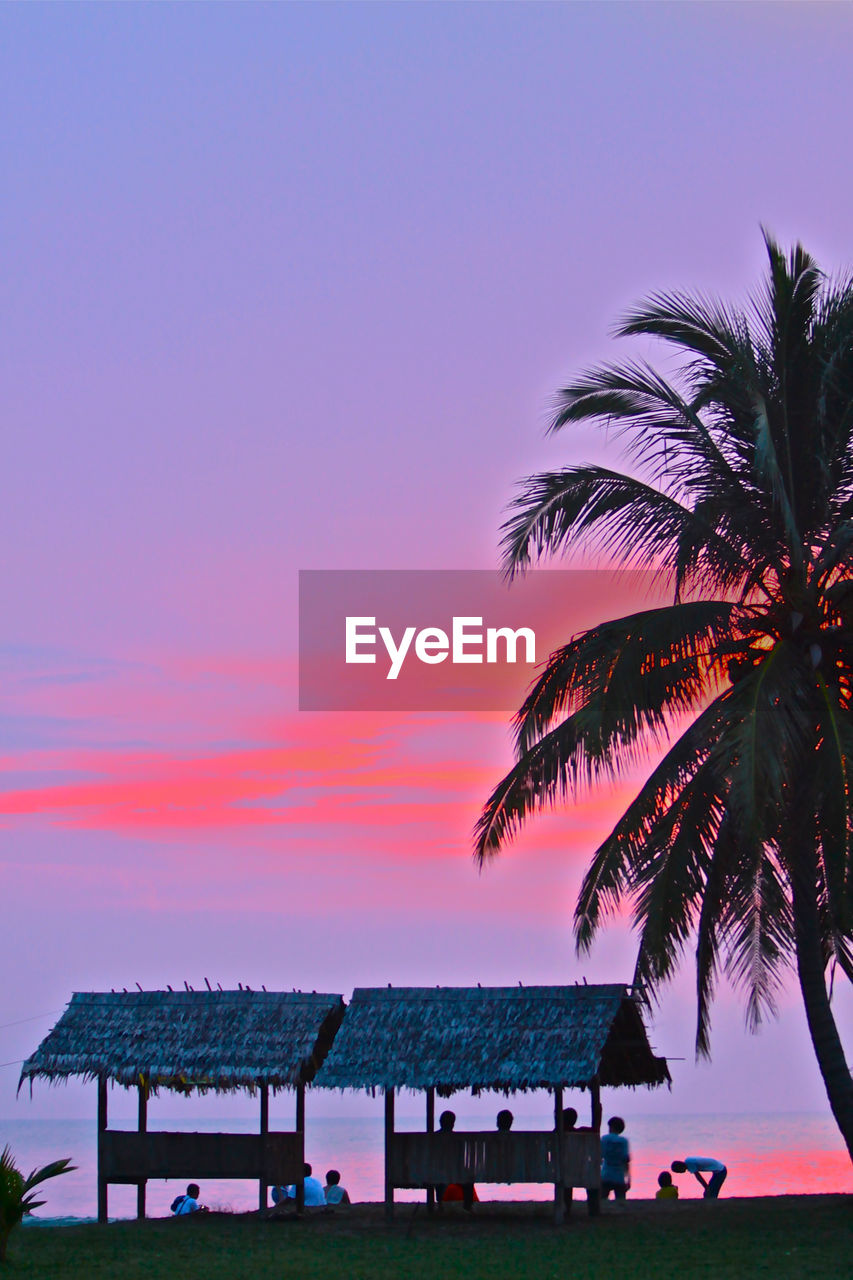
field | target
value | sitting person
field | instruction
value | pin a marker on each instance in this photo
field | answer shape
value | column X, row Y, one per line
column 188, row 1203
column 667, row 1188
column 615, row 1160
column 570, row 1125
column 504, row 1121
column 446, row 1121
column 697, row 1165
column 335, row 1194
column 464, row 1191
column 314, row 1196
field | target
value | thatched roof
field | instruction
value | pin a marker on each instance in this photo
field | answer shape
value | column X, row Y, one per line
column 222, row 1040
column 502, row 1038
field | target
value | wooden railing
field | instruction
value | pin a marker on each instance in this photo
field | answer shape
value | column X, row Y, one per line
column 419, row 1159
column 131, row 1157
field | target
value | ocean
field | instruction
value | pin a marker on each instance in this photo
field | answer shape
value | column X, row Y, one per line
column 765, row 1155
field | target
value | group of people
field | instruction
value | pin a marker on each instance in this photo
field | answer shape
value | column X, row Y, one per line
column 615, row 1163
column 465, row 1192
column 315, row 1195
column 697, row 1165
column 615, row 1172
column 616, row 1168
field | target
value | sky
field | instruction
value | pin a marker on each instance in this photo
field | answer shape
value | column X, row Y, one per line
column 290, row 287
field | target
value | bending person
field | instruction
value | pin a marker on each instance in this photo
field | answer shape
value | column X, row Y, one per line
column 697, row 1165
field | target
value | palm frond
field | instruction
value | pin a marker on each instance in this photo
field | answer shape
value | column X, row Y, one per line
column 836, row 552
column 758, row 938
column 626, row 519
column 52, row 1170
column 835, row 773
column 664, row 430
column 573, row 754
column 768, row 704
column 667, row 887
column 769, row 469
column 614, row 865
column 709, row 927
column 702, row 327
column 639, row 670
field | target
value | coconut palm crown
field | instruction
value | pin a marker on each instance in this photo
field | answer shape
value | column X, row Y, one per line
column 740, row 501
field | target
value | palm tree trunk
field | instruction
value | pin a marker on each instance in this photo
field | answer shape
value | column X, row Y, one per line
column 828, row 1048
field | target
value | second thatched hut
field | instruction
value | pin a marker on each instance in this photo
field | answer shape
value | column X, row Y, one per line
column 442, row 1039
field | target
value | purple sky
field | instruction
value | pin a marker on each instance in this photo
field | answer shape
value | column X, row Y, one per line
column 289, row 287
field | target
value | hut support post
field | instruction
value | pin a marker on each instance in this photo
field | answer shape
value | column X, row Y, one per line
column 593, row 1195
column 430, row 1128
column 559, row 1177
column 595, row 1099
column 264, row 1091
column 389, row 1139
column 300, row 1128
column 102, row 1125
column 142, row 1126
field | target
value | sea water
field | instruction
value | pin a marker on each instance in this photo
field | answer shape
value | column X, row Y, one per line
column 765, row 1154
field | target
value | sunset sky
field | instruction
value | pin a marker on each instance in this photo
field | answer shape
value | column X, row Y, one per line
column 289, row 287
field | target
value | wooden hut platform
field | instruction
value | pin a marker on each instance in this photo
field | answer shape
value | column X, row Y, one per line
column 188, row 1041
column 504, row 1039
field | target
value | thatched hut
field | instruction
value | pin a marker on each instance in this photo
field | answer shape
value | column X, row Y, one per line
column 188, row 1041
column 505, row 1039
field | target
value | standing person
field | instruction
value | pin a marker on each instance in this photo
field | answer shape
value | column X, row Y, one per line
column 504, row 1121
column 697, row 1165
column 615, row 1160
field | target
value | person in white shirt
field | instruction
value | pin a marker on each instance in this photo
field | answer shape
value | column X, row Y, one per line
column 697, row 1165
column 314, row 1195
column 334, row 1192
column 189, row 1202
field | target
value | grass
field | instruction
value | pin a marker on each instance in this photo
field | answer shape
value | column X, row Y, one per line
column 779, row 1237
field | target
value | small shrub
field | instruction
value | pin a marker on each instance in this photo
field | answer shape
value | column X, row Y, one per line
column 16, row 1192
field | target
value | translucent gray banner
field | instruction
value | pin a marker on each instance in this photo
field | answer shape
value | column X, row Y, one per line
column 445, row 640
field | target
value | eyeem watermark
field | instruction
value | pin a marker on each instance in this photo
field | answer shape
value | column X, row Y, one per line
column 464, row 644
column 443, row 640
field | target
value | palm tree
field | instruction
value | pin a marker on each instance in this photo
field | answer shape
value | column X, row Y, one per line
column 740, row 501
